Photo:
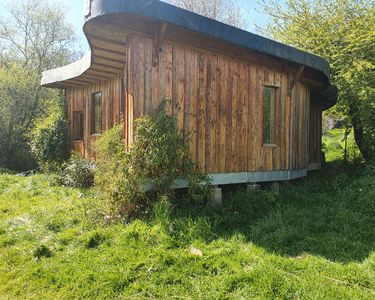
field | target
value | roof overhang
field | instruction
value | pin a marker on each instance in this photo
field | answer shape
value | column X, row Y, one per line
column 108, row 22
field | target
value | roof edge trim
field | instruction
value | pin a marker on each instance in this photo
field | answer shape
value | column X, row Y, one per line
column 165, row 12
column 67, row 72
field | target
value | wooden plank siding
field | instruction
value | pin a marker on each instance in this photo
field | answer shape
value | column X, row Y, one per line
column 315, row 134
column 76, row 100
column 218, row 102
column 300, row 129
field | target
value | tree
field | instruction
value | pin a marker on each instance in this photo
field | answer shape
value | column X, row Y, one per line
column 226, row 11
column 36, row 35
column 343, row 32
column 33, row 37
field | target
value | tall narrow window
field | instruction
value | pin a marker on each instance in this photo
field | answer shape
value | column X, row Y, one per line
column 78, row 126
column 96, row 113
column 269, row 115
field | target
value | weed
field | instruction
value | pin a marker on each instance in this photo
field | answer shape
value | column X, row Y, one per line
column 42, row 251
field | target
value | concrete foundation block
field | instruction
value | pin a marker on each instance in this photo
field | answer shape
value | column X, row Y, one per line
column 217, row 196
column 252, row 186
column 275, row 187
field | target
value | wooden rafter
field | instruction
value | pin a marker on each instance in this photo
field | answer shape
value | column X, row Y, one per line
column 108, row 59
column 110, row 51
column 107, row 67
column 158, row 41
column 294, row 78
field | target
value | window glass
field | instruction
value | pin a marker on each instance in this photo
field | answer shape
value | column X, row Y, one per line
column 96, row 113
column 77, row 125
column 269, row 115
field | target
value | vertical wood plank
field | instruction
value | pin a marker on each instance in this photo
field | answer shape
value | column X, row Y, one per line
column 212, row 86
column 148, row 76
column 194, row 80
column 222, row 111
column 229, row 133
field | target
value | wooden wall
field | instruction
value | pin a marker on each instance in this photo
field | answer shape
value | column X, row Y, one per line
column 315, row 134
column 111, row 97
column 300, row 127
column 218, row 100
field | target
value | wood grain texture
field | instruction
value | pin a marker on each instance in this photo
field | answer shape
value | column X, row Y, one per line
column 76, row 99
column 217, row 101
column 315, row 133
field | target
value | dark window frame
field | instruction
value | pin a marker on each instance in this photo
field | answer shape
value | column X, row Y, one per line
column 78, row 126
column 269, row 124
column 96, row 114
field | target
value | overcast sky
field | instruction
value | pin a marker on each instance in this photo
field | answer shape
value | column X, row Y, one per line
column 74, row 15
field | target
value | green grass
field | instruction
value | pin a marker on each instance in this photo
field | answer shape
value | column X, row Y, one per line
column 334, row 145
column 314, row 240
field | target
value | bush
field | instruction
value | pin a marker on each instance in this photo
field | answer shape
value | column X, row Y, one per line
column 132, row 180
column 77, row 173
column 48, row 141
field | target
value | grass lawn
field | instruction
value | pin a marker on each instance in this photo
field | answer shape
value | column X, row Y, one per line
column 334, row 145
column 315, row 240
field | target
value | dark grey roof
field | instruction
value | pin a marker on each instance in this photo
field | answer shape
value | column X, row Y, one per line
column 165, row 12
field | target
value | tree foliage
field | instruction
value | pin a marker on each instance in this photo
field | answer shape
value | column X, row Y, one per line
column 34, row 36
column 226, row 11
column 48, row 140
column 343, row 32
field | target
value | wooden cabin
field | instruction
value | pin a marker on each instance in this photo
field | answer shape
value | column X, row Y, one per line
column 251, row 107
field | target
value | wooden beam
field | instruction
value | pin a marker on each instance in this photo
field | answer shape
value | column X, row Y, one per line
column 96, row 64
column 88, row 76
column 78, row 82
column 99, row 39
column 95, row 74
column 109, row 50
column 158, row 41
column 109, row 59
column 294, row 78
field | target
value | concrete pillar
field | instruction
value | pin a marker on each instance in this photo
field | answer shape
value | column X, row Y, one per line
column 275, row 187
column 253, row 186
column 217, row 196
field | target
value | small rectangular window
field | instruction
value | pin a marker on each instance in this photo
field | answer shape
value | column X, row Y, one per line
column 78, row 126
column 96, row 113
column 269, row 115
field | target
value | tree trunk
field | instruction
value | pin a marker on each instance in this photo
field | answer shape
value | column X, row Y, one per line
column 359, row 135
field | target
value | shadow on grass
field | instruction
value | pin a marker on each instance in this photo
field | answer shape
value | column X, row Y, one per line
column 331, row 213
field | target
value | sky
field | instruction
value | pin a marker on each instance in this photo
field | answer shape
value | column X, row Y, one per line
column 74, row 15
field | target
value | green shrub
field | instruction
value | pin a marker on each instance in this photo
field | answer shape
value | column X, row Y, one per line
column 77, row 173
column 132, row 180
column 48, row 141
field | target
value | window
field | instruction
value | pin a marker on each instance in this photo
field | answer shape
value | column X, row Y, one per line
column 96, row 113
column 269, row 115
column 78, row 126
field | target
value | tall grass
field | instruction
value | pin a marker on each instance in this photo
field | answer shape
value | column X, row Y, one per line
column 334, row 146
column 313, row 240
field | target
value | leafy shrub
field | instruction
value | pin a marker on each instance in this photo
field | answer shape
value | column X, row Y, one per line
column 48, row 141
column 77, row 173
column 132, row 180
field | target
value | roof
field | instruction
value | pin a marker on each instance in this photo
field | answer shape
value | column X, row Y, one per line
column 162, row 12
